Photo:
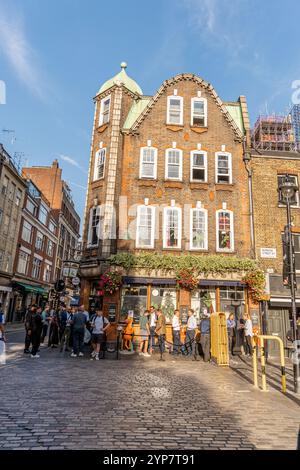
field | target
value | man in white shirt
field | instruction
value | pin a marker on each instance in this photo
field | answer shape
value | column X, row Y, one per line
column 191, row 333
column 152, row 325
column 176, row 332
column 99, row 325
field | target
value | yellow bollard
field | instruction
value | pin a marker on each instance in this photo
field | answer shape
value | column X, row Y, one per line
column 263, row 366
column 263, row 363
column 254, row 359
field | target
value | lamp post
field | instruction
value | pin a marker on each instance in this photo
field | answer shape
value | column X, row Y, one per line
column 288, row 189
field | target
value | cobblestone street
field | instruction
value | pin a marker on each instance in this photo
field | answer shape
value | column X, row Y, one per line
column 58, row 402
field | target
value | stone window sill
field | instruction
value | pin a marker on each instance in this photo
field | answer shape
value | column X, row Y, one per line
column 174, row 127
column 199, row 130
column 198, row 185
column 147, row 182
column 173, row 184
column 224, row 187
column 102, row 128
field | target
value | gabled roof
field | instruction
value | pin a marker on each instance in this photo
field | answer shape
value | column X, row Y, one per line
column 234, row 122
column 135, row 111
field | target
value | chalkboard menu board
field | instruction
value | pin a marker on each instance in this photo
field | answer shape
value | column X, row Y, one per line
column 254, row 317
column 112, row 312
column 184, row 314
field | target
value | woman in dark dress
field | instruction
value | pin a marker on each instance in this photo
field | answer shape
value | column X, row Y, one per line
column 54, row 331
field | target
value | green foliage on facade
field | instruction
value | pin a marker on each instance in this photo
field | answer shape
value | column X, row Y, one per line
column 211, row 264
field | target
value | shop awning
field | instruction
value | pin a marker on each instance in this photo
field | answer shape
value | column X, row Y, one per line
column 30, row 288
column 148, row 280
column 220, row 283
column 283, row 302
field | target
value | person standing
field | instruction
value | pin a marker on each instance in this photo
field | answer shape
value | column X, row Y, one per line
column 27, row 324
column 62, row 318
column 66, row 321
column 176, row 333
column 190, row 339
column 231, row 324
column 248, row 334
column 45, row 320
column 36, row 330
column 160, row 331
column 2, row 337
column 144, row 333
column 53, row 339
column 79, row 322
column 241, row 334
column 205, row 336
column 99, row 324
column 152, row 326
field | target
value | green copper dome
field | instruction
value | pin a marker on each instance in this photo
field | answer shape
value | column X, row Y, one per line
column 121, row 77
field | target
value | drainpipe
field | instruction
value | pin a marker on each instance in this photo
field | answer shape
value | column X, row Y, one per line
column 246, row 160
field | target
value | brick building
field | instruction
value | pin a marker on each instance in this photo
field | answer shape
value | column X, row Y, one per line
column 267, row 169
column 166, row 177
column 12, row 189
column 36, row 252
column 57, row 192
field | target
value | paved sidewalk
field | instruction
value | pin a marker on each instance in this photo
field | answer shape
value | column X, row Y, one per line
column 138, row 403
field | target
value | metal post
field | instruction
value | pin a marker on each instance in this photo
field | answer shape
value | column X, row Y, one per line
column 254, row 359
column 263, row 366
column 293, row 299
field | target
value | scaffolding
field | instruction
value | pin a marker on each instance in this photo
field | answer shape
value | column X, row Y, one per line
column 274, row 132
column 295, row 114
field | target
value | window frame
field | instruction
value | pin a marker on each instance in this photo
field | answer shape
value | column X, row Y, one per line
column 45, row 212
column 192, row 165
column 228, row 154
column 101, row 114
column 138, row 217
column 89, row 238
column 204, row 211
column 141, row 176
column 96, row 165
column 39, row 236
column 37, row 265
column 179, row 210
column 25, row 258
column 167, row 164
column 47, row 271
column 225, row 250
column 30, row 237
column 193, row 100
column 180, row 98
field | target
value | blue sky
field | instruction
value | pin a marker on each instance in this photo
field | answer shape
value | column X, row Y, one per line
column 55, row 54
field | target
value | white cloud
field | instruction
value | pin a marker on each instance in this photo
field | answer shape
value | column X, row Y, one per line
column 77, row 185
column 71, row 161
column 15, row 46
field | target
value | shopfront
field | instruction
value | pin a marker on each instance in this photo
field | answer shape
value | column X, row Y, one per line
column 138, row 294
column 25, row 295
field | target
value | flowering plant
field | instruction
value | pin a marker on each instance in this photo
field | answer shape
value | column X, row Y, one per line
column 110, row 282
column 255, row 281
column 186, row 279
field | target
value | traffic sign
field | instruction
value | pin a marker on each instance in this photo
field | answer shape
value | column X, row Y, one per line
column 75, row 281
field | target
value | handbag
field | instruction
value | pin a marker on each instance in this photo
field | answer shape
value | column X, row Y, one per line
column 87, row 336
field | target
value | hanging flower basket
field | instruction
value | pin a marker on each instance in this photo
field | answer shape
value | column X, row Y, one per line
column 186, row 279
column 255, row 280
column 110, row 282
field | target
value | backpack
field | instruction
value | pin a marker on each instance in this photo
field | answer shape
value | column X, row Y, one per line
column 79, row 321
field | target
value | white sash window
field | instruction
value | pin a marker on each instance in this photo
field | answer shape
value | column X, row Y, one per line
column 145, row 227
column 198, row 229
